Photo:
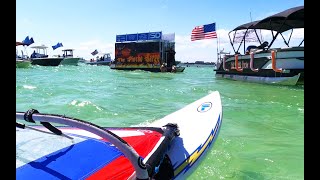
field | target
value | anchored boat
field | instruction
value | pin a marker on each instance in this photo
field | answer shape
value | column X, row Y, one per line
column 103, row 60
column 264, row 63
column 68, row 58
column 40, row 57
column 151, row 51
column 22, row 60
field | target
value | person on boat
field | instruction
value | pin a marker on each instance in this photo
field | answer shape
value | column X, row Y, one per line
column 163, row 67
column 173, row 69
column 263, row 45
column 33, row 55
column 170, row 57
column 249, row 48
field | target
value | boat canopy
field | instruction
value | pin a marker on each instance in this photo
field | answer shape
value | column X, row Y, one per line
column 280, row 22
column 40, row 47
column 289, row 19
column 67, row 49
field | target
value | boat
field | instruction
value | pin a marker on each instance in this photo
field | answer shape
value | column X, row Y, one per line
column 82, row 60
column 23, row 63
column 264, row 63
column 40, row 57
column 68, row 58
column 102, row 59
column 22, row 60
column 169, row 148
column 145, row 51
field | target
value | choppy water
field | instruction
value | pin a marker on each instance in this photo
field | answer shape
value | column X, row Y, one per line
column 262, row 133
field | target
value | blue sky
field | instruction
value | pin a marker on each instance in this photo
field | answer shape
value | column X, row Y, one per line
column 88, row 25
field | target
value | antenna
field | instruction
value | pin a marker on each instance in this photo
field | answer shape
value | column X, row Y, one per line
column 218, row 55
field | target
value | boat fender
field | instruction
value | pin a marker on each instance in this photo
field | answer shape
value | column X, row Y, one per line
column 237, row 64
column 251, row 63
column 224, row 63
column 274, row 62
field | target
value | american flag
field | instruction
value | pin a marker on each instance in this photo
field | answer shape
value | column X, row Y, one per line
column 94, row 52
column 207, row 31
column 250, row 36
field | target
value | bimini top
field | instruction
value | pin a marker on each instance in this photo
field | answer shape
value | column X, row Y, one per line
column 280, row 22
column 67, row 49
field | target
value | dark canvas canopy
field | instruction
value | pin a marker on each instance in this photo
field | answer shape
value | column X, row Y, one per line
column 280, row 22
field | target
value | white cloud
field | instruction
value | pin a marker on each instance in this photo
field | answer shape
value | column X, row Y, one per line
column 26, row 22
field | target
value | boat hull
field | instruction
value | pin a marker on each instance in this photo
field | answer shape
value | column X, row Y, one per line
column 100, row 63
column 289, row 60
column 23, row 64
column 46, row 61
column 70, row 61
column 290, row 80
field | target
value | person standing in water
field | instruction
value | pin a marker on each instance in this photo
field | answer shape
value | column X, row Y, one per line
column 163, row 67
column 174, row 69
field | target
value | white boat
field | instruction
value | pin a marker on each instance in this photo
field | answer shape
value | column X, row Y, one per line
column 68, row 58
column 22, row 60
column 169, row 148
column 264, row 63
column 23, row 63
column 103, row 59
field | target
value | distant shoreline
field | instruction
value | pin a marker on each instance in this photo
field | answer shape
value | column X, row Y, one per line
column 211, row 64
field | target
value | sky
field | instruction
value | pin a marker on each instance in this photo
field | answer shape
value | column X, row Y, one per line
column 88, row 25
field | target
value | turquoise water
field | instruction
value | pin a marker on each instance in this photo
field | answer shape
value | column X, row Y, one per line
column 262, row 132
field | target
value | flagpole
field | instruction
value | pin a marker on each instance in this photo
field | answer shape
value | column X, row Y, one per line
column 218, row 59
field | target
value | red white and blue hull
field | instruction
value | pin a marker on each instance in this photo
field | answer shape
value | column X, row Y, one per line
column 88, row 156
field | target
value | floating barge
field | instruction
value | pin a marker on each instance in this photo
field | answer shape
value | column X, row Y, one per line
column 145, row 51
